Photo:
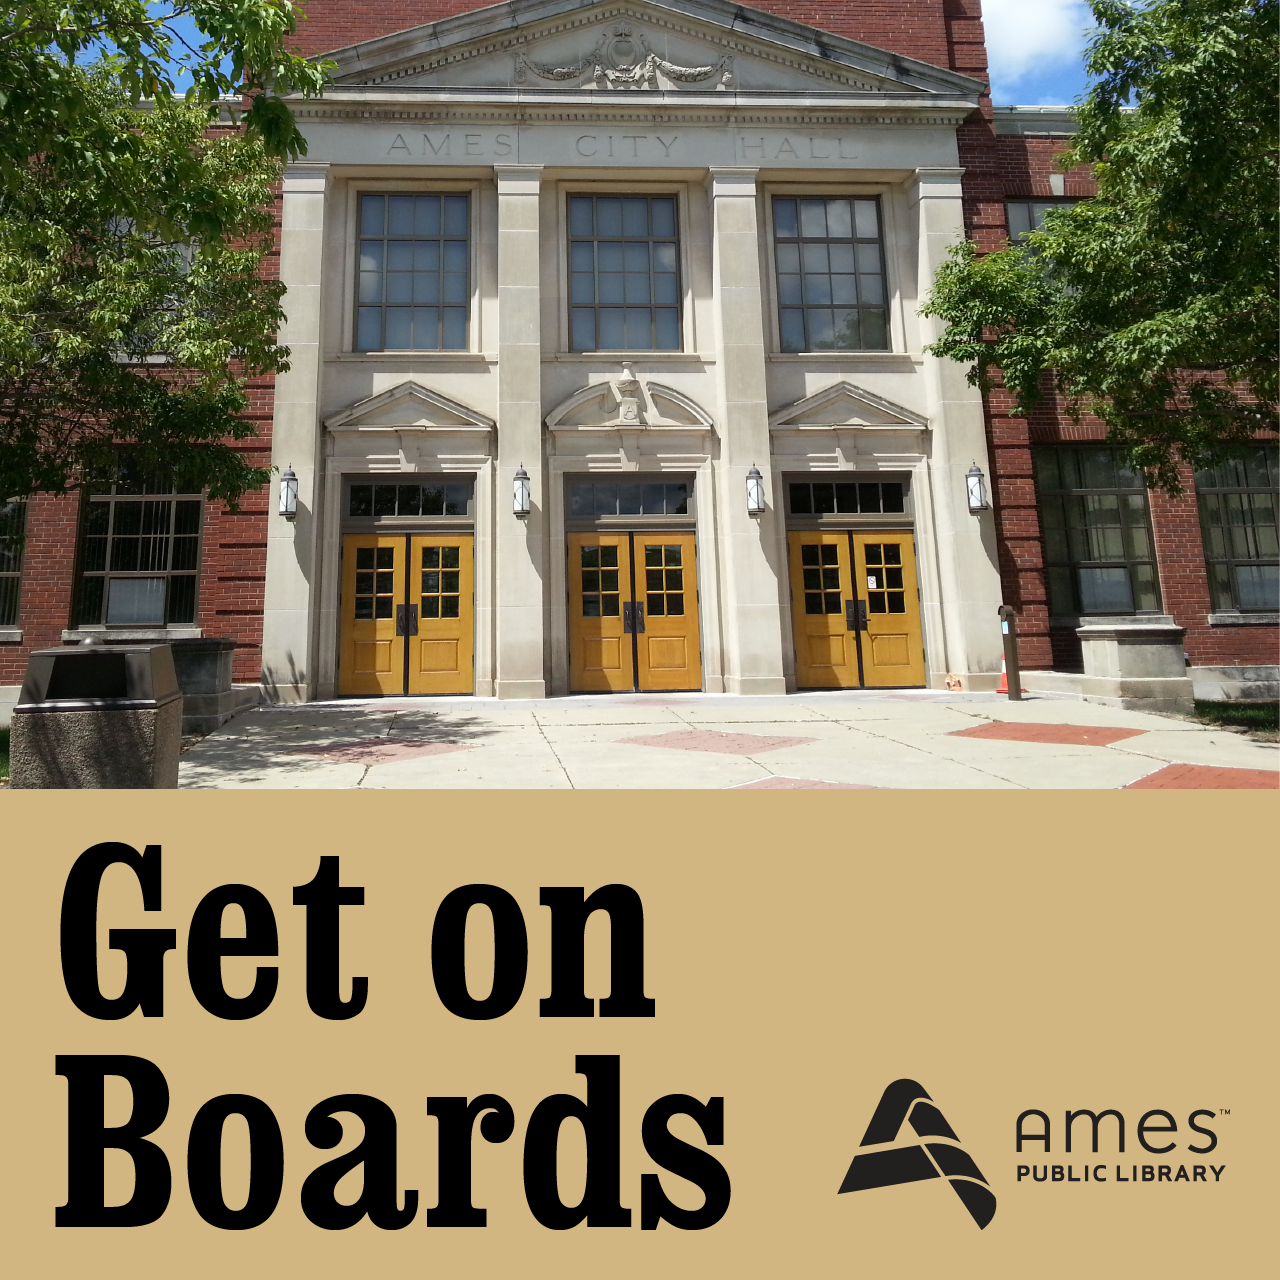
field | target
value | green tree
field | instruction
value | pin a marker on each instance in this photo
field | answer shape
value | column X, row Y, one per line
column 50, row 110
column 132, row 230
column 132, row 306
column 1153, row 305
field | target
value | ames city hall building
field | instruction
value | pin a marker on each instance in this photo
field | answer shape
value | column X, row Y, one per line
column 608, row 374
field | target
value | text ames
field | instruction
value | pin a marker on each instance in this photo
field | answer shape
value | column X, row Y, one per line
column 454, row 146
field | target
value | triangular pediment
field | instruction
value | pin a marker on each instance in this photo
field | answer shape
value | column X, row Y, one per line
column 844, row 405
column 409, row 406
column 635, row 45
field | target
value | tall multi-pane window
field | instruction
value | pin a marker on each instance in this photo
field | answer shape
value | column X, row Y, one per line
column 1098, row 549
column 139, row 552
column 413, row 287
column 1238, row 521
column 624, row 273
column 1026, row 216
column 13, row 526
column 830, row 261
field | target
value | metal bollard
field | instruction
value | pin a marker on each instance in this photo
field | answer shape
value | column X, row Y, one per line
column 1013, row 673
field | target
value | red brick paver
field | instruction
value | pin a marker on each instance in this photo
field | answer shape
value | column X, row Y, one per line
column 1073, row 735
column 378, row 752
column 777, row 783
column 731, row 744
column 1206, row 777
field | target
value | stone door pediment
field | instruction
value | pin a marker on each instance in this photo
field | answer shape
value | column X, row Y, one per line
column 843, row 405
column 409, row 407
column 628, row 403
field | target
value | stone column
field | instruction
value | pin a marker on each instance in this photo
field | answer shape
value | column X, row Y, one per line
column 753, row 578
column 288, row 628
column 964, row 542
column 519, row 542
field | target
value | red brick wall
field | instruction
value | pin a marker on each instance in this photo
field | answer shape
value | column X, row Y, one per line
column 917, row 28
column 44, row 601
column 232, row 566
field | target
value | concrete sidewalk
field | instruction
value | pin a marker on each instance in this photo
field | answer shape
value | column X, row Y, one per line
column 859, row 739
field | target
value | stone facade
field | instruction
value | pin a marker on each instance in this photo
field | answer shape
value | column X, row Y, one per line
column 527, row 105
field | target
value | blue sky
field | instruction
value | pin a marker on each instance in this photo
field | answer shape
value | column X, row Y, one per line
column 1034, row 48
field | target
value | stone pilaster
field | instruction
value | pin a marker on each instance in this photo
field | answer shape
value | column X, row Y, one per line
column 288, row 628
column 964, row 542
column 747, row 544
column 519, row 542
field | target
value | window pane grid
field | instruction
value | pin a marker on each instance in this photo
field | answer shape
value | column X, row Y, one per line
column 1026, row 216
column 430, row 498
column 414, row 273
column 1098, row 550
column 13, row 523
column 139, row 559
column 830, row 270
column 863, row 498
column 590, row 500
column 1239, row 525
column 624, row 274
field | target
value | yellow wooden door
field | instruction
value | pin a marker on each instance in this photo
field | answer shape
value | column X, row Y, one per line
column 821, row 590
column 892, row 648
column 599, row 573
column 667, row 640
column 440, row 588
column 373, row 584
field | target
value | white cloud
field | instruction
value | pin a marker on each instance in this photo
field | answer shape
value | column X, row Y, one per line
column 1027, row 38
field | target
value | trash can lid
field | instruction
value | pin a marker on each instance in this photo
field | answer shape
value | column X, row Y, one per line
column 99, row 677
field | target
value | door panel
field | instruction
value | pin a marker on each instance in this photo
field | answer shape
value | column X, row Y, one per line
column 372, row 655
column 599, row 575
column 821, row 586
column 668, row 647
column 893, row 652
column 440, row 655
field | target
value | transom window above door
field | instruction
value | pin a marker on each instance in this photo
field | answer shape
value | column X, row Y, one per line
column 592, row 498
column 624, row 274
column 413, row 284
column 433, row 497
column 830, row 263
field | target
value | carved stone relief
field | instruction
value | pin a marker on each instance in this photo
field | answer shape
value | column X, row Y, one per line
column 621, row 59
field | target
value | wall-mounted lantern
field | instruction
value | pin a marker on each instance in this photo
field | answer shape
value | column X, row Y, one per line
column 977, row 489
column 289, row 494
column 755, row 491
column 520, row 492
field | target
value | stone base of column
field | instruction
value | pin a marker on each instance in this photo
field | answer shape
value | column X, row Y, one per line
column 519, row 688
column 756, row 686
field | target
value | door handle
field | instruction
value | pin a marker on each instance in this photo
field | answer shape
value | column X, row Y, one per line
column 628, row 618
column 855, row 615
column 638, row 608
column 406, row 619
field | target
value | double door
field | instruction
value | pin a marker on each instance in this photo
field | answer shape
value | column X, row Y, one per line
column 855, row 610
column 407, row 614
column 633, row 612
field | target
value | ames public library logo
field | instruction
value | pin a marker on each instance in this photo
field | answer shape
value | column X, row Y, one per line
column 938, row 1153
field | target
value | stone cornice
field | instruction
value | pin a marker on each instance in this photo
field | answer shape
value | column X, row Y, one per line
column 725, row 110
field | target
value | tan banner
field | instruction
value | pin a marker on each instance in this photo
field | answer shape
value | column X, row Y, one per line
column 639, row 1034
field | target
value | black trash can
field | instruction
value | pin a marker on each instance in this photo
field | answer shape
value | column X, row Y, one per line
column 93, row 716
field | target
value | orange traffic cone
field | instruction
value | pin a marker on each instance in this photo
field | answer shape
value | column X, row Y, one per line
column 1003, row 686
